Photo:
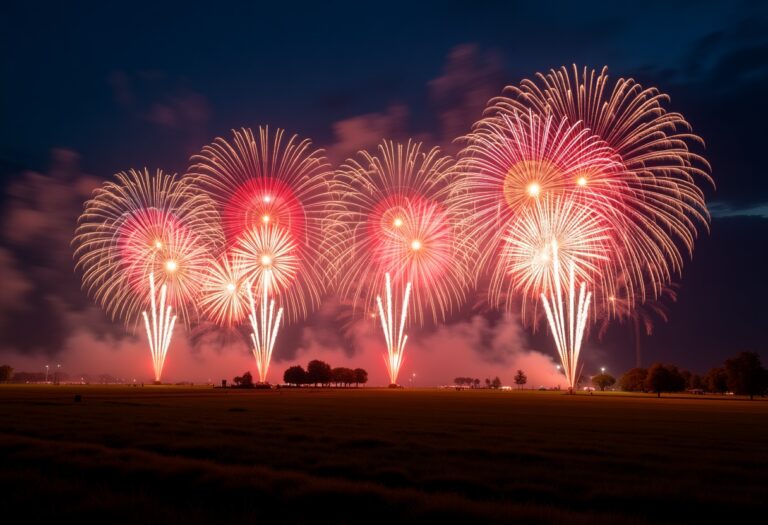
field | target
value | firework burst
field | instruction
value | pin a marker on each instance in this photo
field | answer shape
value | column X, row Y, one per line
column 272, row 194
column 395, row 219
column 145, row 229
column 660, row 203
column 142, row 226
column 398, row 232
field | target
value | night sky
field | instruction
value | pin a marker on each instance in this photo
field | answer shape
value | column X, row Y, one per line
column 90, row 90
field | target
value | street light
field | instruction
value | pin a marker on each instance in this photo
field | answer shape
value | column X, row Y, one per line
column 46, row 373
column 602, row 369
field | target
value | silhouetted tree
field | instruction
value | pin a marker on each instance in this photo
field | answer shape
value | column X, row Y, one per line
column 342, row 376
column 745, row 374
column 695, row 382
column 464, row 381
column 28, row 377
column 520, row 379
column 6, row 372
column 663, row 378
column 244, row 381
column 476, row 383
column 487, row 383
column 634, row 380
column 602, row 381
column 717, row 380
column 295, row 375
column 318, row 372
column 658, row 379
column 496, row 383
column 361, row 376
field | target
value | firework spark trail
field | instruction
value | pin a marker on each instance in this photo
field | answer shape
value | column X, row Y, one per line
column 567, row 326
column 160, row 331
column 265, row 332
column 395, row 345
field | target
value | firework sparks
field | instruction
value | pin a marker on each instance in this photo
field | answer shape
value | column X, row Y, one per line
column 395, row 339
column 567, row 325
column 160, row 330
column 264, row 331
column 223, row 297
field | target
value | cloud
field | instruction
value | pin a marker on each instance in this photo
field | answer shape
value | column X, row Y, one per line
column 366, row 131
column 39, row 220
column 162, row 100
column 721, row 209
column 470, row 78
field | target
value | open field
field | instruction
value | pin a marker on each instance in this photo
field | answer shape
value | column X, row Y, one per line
column 199, row 455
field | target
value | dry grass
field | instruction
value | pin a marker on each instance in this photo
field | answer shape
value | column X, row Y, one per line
column 199, row 455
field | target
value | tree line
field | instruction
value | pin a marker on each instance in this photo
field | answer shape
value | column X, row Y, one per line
column 320, row 373
column 742, row 374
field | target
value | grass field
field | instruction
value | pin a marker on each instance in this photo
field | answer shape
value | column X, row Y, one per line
column 195, row 455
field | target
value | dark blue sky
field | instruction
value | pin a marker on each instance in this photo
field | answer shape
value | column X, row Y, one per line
column 132, row 85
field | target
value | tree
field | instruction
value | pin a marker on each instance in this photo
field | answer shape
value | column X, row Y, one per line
column 658, row 379
column 663, row 378
column 520, row 379
column 6, row 372
column 717, row 380
column 476, row 383
column 696, row 382
column 487, row 383
column 244, row 381
column 634, row 380
column 602, row 381
column 342, row 376
column 295, row 375
column 361, row 376
column 745, row 374
column 496, row 383
column 318, row 372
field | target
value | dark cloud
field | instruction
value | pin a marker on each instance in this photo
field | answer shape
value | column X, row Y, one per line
column 470, row 79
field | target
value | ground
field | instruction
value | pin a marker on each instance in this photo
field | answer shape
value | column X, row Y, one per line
column 203, row 455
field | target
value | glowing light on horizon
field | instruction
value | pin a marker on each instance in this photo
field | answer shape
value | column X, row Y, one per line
column 393, row 335
column 265, row 325
column 160, row 330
